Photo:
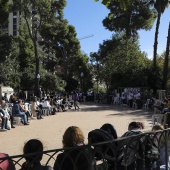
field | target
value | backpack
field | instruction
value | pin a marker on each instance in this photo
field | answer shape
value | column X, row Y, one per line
column 151, row 151
column 129, row 153
column 141, row 147
column 97, row 136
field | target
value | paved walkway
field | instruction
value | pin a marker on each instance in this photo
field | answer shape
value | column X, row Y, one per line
column 50, row 129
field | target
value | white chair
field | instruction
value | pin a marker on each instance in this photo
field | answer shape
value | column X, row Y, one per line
column 158, row 119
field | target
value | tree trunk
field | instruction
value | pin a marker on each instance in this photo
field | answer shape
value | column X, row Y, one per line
column 37, row 67
column 156, row 40
column 166, row 62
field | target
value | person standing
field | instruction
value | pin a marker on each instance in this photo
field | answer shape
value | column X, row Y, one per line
column 138, row 100
column 76, row 100
column 39, row 93
column 130, row 98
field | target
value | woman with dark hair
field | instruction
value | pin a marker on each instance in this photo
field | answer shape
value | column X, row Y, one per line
column 33, row 161
column 110, row 129
column 76, row 157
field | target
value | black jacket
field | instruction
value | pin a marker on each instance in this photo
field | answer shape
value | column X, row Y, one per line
column 75, row 159
column 35, row 166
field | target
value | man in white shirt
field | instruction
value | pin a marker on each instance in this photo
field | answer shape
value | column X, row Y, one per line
column 46, row 105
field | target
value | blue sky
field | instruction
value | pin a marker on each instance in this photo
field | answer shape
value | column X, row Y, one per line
column 87, row 16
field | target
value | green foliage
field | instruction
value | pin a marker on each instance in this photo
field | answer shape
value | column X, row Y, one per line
column 6, row 43
column 10, row 74
column 120, row 63
column 27, row 79
column 51, row 82
column 160, row 5
column 26, row 56
column 135, row 16
column 4, row 11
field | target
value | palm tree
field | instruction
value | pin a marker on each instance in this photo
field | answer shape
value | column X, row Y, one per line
column 160, row 6
column 166, row 62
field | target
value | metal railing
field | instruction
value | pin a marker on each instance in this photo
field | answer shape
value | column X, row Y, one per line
column 146, row 151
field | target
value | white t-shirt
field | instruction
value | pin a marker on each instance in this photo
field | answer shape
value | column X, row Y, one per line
column 130, row 96
column 46, row 104
column 137, row 96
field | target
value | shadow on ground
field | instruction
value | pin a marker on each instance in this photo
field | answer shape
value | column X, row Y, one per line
column 121, row 110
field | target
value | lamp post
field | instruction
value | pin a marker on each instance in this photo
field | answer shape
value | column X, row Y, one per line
column 38, row 80
column 82, row 75
column 36, row 25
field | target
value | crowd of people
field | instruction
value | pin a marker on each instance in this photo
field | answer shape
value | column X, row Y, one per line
column 14, row 108
column 73, row 136
column 121, row 98
column 76, row 156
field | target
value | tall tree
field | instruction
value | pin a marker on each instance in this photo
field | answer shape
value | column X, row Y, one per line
column 160, row 6
column 36, row 13
column 137, row 15
column 166, row 62
column 120, row 67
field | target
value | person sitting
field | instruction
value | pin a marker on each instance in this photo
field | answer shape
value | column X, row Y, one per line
column 16, row 112
column 63, row 103
column 22, row 109
column 35, row 109
column 57, row 103
column 3, row 121
column 134, row 128
column 46, row 105
column 74, row 157
column 162, row 146
column 8, row 123
column 5, row 98
column 13, row 98
column 53, row 107
column 33, row 162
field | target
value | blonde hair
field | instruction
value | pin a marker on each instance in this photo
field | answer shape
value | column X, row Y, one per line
column 72, row 136
column 157, row 127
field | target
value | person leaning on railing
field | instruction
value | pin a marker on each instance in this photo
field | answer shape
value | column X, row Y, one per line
column 127, row 157
column 162, row 139
column 33, row 162
column 6, row 164
column 76, row 158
